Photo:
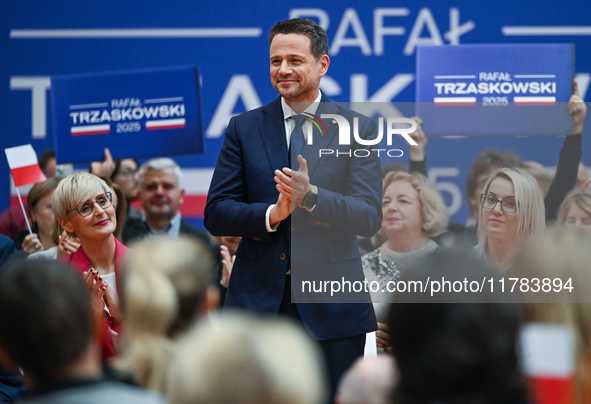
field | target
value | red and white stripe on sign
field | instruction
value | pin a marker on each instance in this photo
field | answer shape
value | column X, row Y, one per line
column 454, row 101
column 165, row 124
column 534, row 100
column 548, row 361
column 90, row 130
column 23, row 164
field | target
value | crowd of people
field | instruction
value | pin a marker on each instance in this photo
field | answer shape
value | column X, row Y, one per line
column 111, row 296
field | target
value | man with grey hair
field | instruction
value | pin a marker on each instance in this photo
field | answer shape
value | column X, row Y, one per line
column 368, row 381
column 161, row 193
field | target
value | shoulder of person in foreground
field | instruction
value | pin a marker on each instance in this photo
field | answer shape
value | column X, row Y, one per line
column 96, row 393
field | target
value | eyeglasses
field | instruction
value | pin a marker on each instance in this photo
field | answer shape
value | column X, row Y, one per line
column 127, row 173
column 86, row 208
column 508, row 204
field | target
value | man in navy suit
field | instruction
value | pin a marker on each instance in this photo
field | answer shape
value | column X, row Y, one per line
column 303, row 220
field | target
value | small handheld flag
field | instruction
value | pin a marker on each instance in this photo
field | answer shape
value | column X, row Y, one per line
column 25, row 170
column 23, row 164
column 548, row 361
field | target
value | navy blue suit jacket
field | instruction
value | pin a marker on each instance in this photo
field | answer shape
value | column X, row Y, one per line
column 320, row 245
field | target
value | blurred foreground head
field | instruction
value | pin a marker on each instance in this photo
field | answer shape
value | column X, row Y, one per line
column 45, row 318
column 463, row 351
column 165, row 287
column 244, row 359
column 368, row 381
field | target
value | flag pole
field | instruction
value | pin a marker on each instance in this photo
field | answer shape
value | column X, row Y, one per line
column 24, row 212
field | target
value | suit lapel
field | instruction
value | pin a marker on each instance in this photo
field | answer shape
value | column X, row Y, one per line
column 272, row 130
column 312, row 152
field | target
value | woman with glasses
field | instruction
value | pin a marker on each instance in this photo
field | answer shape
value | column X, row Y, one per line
column 511, row 209
column 83, row 205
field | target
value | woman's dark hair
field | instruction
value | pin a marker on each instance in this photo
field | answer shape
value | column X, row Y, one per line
column 455, row 352
column 38, row 192
column 118, row 167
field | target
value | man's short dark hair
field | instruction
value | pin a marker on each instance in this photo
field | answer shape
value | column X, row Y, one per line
column 45, row 316
column 303, row 26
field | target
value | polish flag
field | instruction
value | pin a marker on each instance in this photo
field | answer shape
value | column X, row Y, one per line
column 23, row 164
column 548, row 362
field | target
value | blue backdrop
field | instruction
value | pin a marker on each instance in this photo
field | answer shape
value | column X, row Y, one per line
column 373, row 50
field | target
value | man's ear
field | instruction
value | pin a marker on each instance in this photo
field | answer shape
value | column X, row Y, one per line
column 182, row 195
column 324, row 63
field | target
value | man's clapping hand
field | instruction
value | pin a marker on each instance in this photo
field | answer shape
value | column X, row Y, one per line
column 292, row 187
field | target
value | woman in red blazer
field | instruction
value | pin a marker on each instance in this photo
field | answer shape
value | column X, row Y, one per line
column 83, row 205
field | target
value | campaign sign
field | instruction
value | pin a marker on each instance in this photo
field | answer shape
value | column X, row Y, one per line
column 509, row 89
column 135, row 113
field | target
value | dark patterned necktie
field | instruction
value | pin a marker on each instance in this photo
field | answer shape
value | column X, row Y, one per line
column 296, row 144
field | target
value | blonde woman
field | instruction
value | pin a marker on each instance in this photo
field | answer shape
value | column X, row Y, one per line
column 248, row 360
column 575, row 210
column 82, row 203
column 165, row 288
column 413, row 212
column 511, row 209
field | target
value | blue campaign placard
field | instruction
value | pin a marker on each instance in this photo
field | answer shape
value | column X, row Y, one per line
column 135, row 113
column 373, row 48
column 510, row 89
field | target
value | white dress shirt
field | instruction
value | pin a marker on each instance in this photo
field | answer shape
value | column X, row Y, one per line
column 289, row 127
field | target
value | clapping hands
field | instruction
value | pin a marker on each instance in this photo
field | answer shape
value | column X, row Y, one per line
column 102, row 295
